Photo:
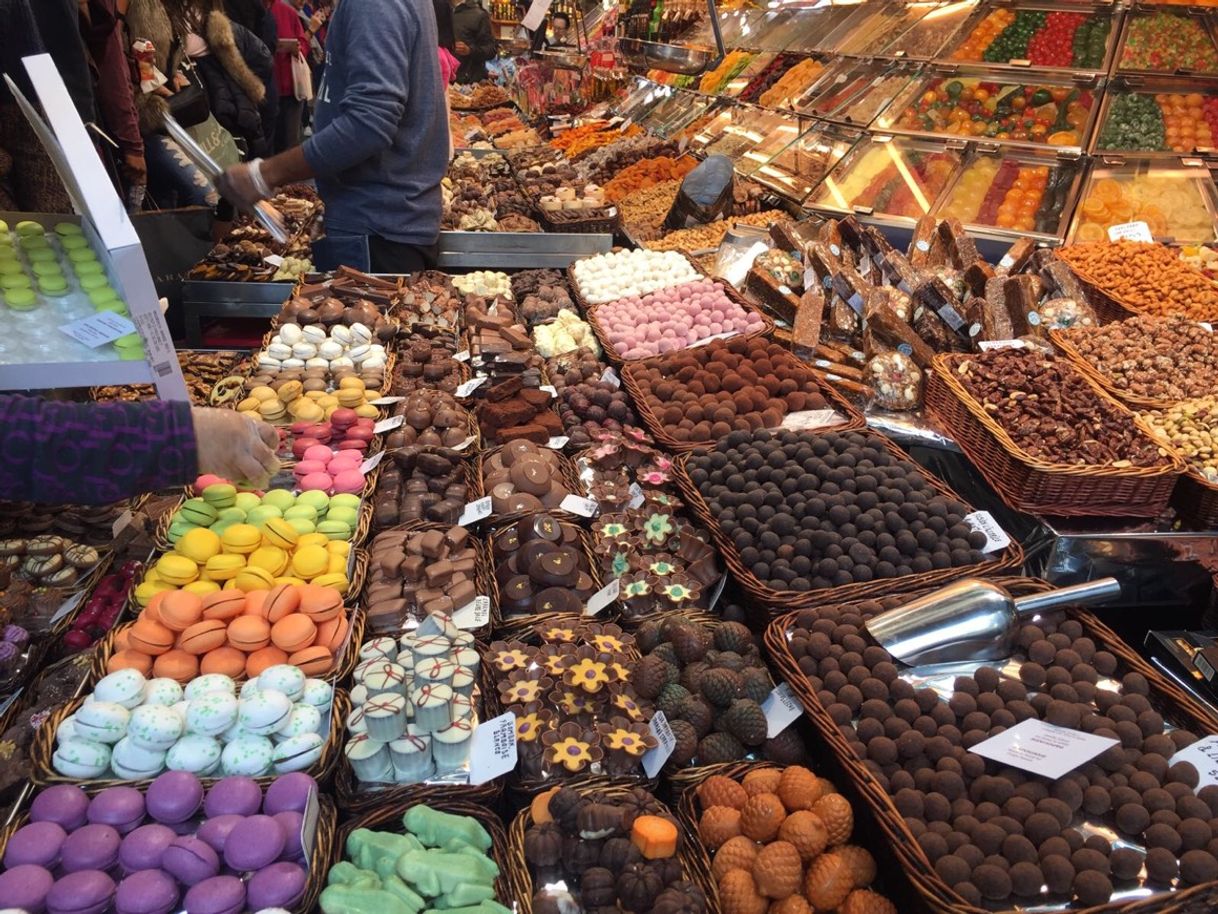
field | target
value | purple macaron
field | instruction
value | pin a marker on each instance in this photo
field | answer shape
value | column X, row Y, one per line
column 83, row 892
column 190, row 860
column 146, row 892
column 255, row 842
column 174, row 797
column 90, row 847
column 39, row 843
column 120, row 807
column 65, row 804
column 292, row 823
column 239, row 796
column 218, row 895
column 280, row 885
column 144, row 847
column 26, row 886
column 289, row 792
column 216, row 831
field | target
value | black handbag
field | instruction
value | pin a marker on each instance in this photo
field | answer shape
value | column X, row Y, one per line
column 189, row 105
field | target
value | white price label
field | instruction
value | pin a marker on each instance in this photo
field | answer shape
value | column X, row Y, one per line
column 811, row 418
column 388, row 425
column 98, row 329
column 781, row 709
column 550, row 389
column 386, row 401
column 610, row 377
column 1130, row 231
column 995, row 537
column 987, row 345
column 274, row 260
column 68, row 607
column 584, row 507
column 603, row 597
column 372, row 462
column 1209, row 328
column 475, row 511
column 473, row 615
column 809, row 278
column 464, row 444
column 465, row 388
column 714, row 598
column 558, row 442
column 1202, row 755
column 492, row 748
column 462, row 356
column 785, row 290
column 636, row 495
column 654, row 759
column 308, row 824
column 1052, row 752
column 121, row 523
column 713, row 337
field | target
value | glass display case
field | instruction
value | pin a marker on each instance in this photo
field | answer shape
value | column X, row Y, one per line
column 785, row 131
column 1035, row 111
column 1007, row 192
column 1175, row 199
column 639, row 100
column 775, row 29
column 1070, row 36
column 813, row 29
column 759, row 62
column 841, row 83
column 1168, row 41
column 674, row 113
column 745, row 129
column 863, row 108
column 927, row 37
column 794, row 77
column 797, row 169
column 888, row 177
column 1163, row 116
column 865, row 35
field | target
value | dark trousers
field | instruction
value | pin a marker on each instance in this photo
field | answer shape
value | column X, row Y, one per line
column 371, row 253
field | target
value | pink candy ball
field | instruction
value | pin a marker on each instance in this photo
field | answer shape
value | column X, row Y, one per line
column 300, row 445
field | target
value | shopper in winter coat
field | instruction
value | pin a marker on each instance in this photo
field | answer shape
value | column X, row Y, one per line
column 236, row 111
column 293, row 40
column 475, row 43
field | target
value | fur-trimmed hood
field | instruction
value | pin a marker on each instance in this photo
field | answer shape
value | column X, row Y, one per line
column 148, row 19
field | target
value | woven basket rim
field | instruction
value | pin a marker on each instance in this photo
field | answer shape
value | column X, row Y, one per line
column 1062, row 340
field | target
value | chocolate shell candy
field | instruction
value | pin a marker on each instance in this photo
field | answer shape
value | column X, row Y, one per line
column 596, row 887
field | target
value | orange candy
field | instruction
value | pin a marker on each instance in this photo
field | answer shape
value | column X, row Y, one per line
column 226, row 660
column 150, row 637
column 777, row 870
column 224, row 605
column 333, row 633
column 249, row 633
column 259, row 660
column 293, row 633
column 321, row 604
column 177, row 665
column 655, row 837
column 313, row 661
column 255, row 603
column 203, row 637
column 718, row 790
column 129, row 660
column 279, row 601
column 179, row 609
column 762, row 816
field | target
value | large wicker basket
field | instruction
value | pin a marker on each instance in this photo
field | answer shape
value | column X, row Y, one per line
column 566, row 470
column 934, row 892
column 778, row 601
column 594, row 571
column 1030, row 484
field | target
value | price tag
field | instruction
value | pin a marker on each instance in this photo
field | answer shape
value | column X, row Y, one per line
column 475, row 511
column 987, row 345
column 995, row 537
column 584, row 507
column 654, row 759
column 8, row 702
column 1209, row 328
column 603, row 597
column 713, row 337
column 308, row 824
column 718, row 592
column 812, row 418
column 386, row 401
column 465, row 388
column 1202, row 755
column 781, row 709
column 952, row 317
column 809, row 278
column 462, row 356
column 785, row 290
column 1033, row 745
column 922, row 245
column 388, row 425
column 372, row 462
column 558, row 442
column 549, row 388
column 636, row 495
column 464, row 444
column 68, row 607
column 492, row 748
column 473, row 615
column 1130, row 231
column 121, row 523
column 610, row 377
column 274, row 260
column 98, row 329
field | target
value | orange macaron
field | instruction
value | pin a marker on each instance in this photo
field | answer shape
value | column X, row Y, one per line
column 149, row 637
column 226, row 660
column 153, row 609
column 293, row 633
column 249, row 633
column 255, row 603
column 179, row 609
column 203, row 637
column 320, row 603
column 333, row 633
column 280, row 601
column 224, row 605
column 129, row 660
column 177, row 665
column 313, row 661
column 268, row 656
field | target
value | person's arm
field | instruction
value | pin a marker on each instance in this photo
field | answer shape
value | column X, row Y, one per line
column 98, row 453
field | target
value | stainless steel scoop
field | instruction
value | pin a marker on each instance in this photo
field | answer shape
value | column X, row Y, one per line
column 971, row 620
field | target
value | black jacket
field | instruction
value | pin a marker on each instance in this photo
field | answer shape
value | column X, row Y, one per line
column 236, row 111
column 472, row 25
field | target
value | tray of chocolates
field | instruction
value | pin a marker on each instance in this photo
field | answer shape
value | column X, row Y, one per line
column 542, row 566
column 522, row 477
column 423, row 483
column 426, row 361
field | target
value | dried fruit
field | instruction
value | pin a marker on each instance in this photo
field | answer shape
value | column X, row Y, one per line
column 861, row 863
column 798, row 788
column 827, row 882
column 718, row 790
column 738, row 894
column 777, row 870
column 718, row 824
column 762, row 780
column 736, row 853
column 864, row 901
column 762, row 816
column 806, row 832
column 834, row 810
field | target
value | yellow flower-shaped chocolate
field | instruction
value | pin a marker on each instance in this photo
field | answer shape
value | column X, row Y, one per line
column 587, row 674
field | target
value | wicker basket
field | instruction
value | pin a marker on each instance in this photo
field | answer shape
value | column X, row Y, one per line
column 355, row 795
column 691, row 854
column 469, row 475
column 645, row 403
column 1030, row 484
column 1195, row 499
column 387, row 816
column 777, row 601
column 934, row 892
column 43, row 773
column 566, row 470
column 603, row 220
column 585, row 545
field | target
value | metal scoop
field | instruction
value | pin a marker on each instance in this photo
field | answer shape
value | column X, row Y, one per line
column 971, row 620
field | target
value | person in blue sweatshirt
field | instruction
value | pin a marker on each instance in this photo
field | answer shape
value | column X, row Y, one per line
column 379, row 147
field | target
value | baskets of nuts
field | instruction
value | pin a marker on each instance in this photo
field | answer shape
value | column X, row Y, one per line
column 1191, row 428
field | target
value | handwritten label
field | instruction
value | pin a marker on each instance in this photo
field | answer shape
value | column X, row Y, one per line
column 274, row 260
column 558, row 442
column 987, row 345
column 475, row 511
column 1202, row 755
column 1033, row 745
column 983, row 522
column 372, row 462
column 388, row 425
column 781, row 709
column 584, row 507
column 98, row 329
column 654, row 759
column 386, row 401
column 811, row 418
column 603, row 597
column 465, row 388
column 473, row 615
column 1130, row 231
column 492, row 748
column 308, row 824
column 609, row 376
column 121, row 523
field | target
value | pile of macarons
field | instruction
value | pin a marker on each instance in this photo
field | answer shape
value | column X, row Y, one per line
column 175, row 847
column 343, row 431
column 333, row 472
column 180, row 634
column 218, row 506
column 290, row 401
column 133, row 728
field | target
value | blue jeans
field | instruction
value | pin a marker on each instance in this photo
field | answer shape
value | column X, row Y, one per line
column 173, row 180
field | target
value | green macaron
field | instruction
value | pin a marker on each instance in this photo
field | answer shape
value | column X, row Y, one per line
column 21, row 299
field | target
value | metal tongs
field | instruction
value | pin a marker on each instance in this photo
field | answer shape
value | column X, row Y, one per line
column 267, row 215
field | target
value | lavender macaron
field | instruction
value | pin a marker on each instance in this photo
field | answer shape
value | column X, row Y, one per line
column 119, row 807
column 90, row 847
column 215, row 831
column 235, row 795
column 82, row 892
column 255, row 842
column 218, row 895
column 144, row 847
column 146, row 892
column 65, row 804
column 190, row 860
column 292, row 823
column 25, row 887
column 174, row 797
column 279, row 885
column 289, row 792
column 39, row 843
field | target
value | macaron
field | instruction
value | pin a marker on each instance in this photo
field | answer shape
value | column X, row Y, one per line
column 190, row 860
column 38, row 843
column 280, row 885
column 143, row 848
column 174, row 796
column 298, row 752
column 265, row 712
column 249, row 633
column 313, row 661
column 303, row 719
column 149, row 891
column 211, row 714
column 90, row 847
column 284, row 678
column 216, row 829
column 20, row 299
column 119, row 807
column 290, row 792
column 233, row 796
column 81, row 892
column 81, row 758
column 155, row 727
column 293, row 826
column 102, row 721
column 25, row 887
column 162, row 692
column 194, row 753
column 227, row 660
column 135, row 763
column 294, row 633
column 318, row 693
column 217, row 895
column 64, row 804
column 212, row 682
column 255, row 842
column 125, row 687
column 250, row 756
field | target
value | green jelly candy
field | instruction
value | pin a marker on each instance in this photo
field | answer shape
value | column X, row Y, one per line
column 87, row 267
column 81, row 255
column 344, row 899
column 395, row 886
column 484, row 868
column 73, row 242
column 41, row 255
column 15, row 281
column 416, row 869
column 27, row 228
column 64, row 229
column 377, row 850
column 467, row 894
column 435, row 828
column 347, row 873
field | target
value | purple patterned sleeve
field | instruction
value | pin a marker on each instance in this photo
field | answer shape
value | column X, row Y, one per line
column 93, row 453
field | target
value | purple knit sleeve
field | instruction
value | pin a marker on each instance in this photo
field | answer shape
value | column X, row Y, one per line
column 93, row 453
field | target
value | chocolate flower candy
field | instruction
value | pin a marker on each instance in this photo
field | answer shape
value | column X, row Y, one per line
column 524, row 686
column 531, row 721
column 571, row 747
column 510, row 655
column 555, row 658
column 574, row 703
column 588, row 674
column 624, row 700
column 657, row 528
column 622, row 735
column 609, row 639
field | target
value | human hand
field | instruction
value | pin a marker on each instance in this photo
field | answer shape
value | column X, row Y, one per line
column 316, row 22
column 462, row 49
column 135, row 169
column 235, row 446
column 238, row 185
column 180, row 81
